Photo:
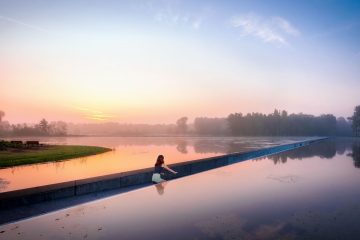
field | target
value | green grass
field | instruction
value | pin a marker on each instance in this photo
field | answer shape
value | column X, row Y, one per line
column 47, row 153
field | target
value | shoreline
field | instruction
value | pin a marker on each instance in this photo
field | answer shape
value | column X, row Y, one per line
column 46, row 153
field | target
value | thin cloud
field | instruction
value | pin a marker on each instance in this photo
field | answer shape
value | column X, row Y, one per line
column 274, row 30
column 286, row 26
column 197, row 23
column 169, row 12
column 93, row 114
column 98, row 117
column 169, row 17
column 30, row 26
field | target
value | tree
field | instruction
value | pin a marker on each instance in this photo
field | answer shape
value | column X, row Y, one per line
column 284, row 114
column 343, row 127
column 281, row 124
column 356, row 121
column 2, row 114
column 58, row 128
column 4, row 125
column 44, row 126
column 211, row 126
column 181, row 125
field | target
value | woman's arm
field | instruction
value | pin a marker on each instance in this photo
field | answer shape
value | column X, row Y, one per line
column 169, row 169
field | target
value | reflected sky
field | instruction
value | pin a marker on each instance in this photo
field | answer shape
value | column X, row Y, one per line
column 308, row 196
column 129, row 153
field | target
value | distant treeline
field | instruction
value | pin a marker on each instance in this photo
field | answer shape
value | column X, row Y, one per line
column 282, row 124
column 274, row 124
column 278, row 123
column 43, row 128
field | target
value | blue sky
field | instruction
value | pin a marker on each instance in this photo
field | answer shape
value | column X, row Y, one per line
column 154, row 61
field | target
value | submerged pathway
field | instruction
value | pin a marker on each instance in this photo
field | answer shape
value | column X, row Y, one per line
column 307, row 193
column 29, row 202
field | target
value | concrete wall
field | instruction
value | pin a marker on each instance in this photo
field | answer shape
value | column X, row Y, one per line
column 131, row 178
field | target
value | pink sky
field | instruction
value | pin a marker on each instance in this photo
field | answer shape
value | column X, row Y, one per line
column 152, row 65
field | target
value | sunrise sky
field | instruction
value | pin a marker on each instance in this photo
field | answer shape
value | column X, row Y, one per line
column 156, row 61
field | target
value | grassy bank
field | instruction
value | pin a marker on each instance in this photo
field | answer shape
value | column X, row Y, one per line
column 46, row 153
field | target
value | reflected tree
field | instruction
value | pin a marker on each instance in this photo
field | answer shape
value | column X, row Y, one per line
column 210, row 146
column 279, row 158
column 326, row 149
column 181, row 147
column 3, row 184
column 356, row 154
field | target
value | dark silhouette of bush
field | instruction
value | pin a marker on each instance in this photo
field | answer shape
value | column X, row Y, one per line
column 355, row 119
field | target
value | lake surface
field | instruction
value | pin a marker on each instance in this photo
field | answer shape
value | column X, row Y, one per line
column 307, row 193
column 129, row 153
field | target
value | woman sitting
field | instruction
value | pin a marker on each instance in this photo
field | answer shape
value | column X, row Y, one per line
column 159, row 170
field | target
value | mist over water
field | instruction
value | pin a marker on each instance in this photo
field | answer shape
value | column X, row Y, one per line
column 306, row 193
column 129, row 153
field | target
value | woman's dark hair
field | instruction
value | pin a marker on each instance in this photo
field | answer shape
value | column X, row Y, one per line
column 159, row 160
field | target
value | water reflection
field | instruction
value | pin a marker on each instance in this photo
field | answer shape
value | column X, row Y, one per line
column 356, row 154
column 326, row 149
column 160, row 187
column 129, row 153
column 200, row 145
column 309, row 224
column 181, row 147
column 317, row 198
column 233, row 226
column 3, row 183
column 226, row 226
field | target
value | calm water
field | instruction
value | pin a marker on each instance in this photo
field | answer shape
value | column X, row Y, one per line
column 129, row 153
column 307, row 193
